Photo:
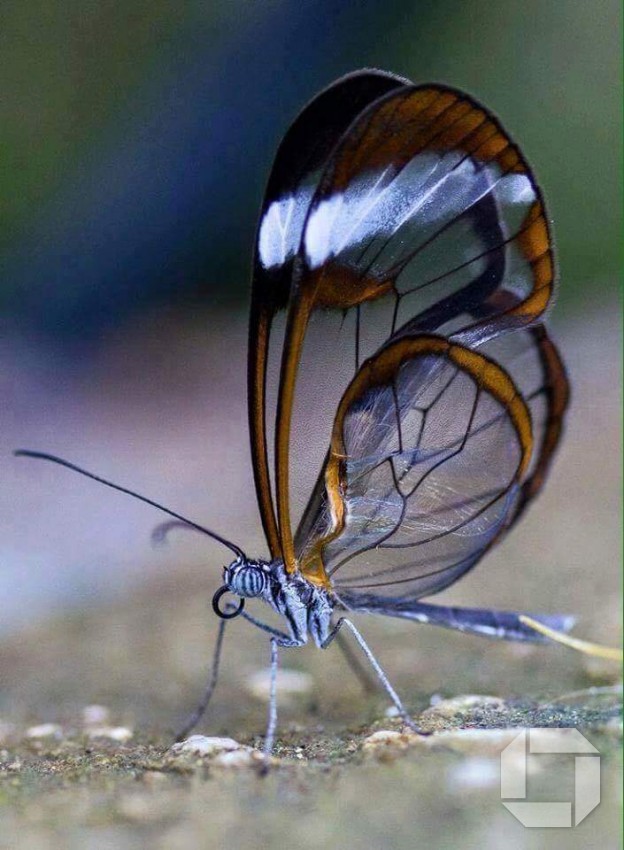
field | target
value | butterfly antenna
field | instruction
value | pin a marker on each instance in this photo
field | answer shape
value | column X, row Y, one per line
column 53, row 459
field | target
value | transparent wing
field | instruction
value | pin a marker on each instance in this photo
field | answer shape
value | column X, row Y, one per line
column 292, row 182
column 532, row 360
column 431, row 447
column 424, row 213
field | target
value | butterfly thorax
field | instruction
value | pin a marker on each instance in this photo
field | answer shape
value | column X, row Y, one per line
column 306, row 607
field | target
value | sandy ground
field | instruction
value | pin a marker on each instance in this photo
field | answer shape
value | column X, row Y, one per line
column 93, row 615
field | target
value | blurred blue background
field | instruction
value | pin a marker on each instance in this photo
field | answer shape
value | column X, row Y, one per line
column 136, row 139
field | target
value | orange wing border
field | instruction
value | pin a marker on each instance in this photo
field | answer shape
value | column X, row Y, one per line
column 380, row 370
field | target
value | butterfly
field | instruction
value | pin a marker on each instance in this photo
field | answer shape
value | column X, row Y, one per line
column 402, row 220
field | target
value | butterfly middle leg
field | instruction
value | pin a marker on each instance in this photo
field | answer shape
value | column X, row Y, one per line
column 278, row 639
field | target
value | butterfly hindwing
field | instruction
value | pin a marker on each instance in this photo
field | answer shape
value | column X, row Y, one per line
column 430, row 447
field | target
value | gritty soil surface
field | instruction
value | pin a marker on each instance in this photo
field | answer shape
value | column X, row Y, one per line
column 104, row 773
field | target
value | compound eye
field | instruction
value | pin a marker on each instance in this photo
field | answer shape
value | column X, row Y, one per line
column 250, row 582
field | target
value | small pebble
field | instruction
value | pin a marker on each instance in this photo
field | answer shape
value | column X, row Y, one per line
column 474, row 773
column 114, row 733
column 238, row 758
column 387, row 744
column 45, row 730
column 200, row 745
column 95, row 715
column 383, row 736
column 474, row 742
column 290, row 683
column 467, row 702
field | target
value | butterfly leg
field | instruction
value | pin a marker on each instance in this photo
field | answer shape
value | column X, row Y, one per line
column 343, row 621
column 281, row 636
column 269, row 739
column 366, row 680
column 199, row 712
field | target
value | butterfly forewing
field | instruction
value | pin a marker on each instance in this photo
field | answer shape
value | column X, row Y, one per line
column 295, row 173
column 426, row 196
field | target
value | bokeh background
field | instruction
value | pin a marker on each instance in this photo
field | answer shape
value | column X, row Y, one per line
column 135, row 139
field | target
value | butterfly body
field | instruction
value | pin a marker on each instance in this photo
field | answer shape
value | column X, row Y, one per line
column 306, row 608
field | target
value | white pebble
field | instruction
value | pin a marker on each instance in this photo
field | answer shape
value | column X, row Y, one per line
column 200, row 745
column 114, row 733
column 237, row 758
column 474, row 773
column 45, row 730
column 389, row 742
column 289, row 683
column 383, row 736
column 95, row 715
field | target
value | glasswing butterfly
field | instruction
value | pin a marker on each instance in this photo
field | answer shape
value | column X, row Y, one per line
column 406, row 216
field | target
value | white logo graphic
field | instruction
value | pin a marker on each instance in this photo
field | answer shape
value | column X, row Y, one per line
column 586, row 776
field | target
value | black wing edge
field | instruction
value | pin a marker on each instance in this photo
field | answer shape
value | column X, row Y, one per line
column 501, row 625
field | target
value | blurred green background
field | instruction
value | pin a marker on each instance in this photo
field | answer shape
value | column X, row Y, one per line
column 136, row 137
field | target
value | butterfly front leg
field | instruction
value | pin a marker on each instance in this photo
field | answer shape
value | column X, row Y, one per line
column 295, row 615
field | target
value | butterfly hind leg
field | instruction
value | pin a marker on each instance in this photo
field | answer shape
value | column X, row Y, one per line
column 356, row 665
column 343, row 621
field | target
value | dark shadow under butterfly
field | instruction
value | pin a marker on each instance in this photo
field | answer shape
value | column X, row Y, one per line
column 407, row 215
